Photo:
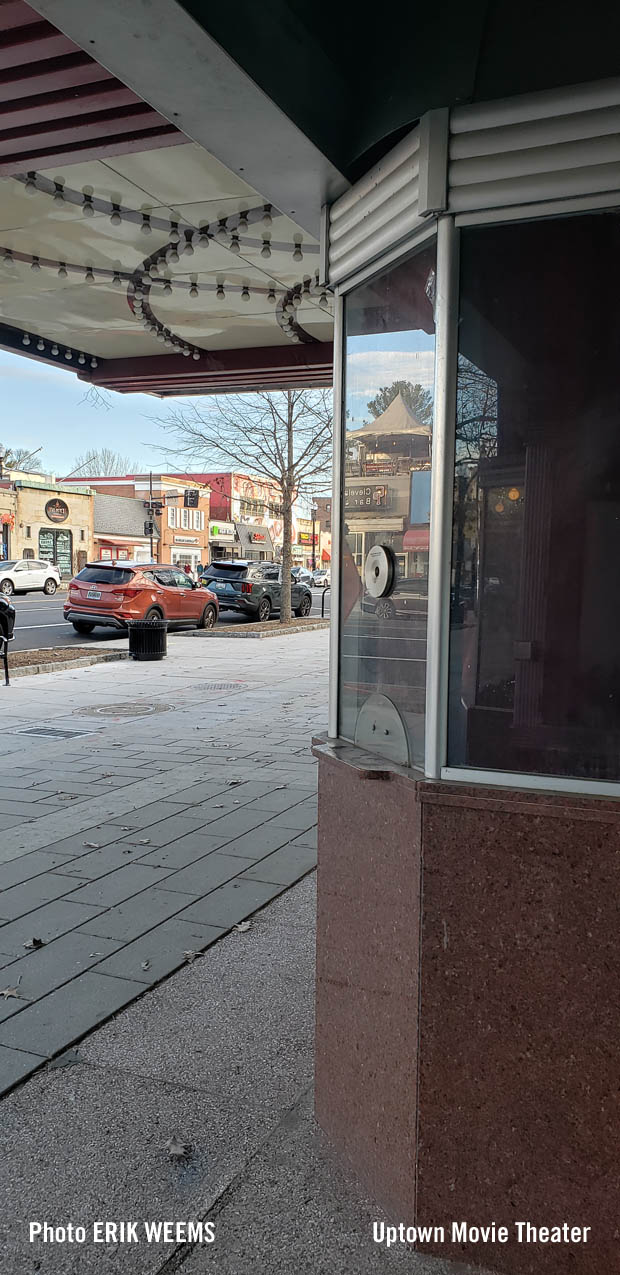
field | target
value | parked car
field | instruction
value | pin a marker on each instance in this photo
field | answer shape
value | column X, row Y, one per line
column 321, row 579
column 302, row 575
column 26, row 574
column 110, row 594
column 254, row 588
column 7, row 619
column 408, row 599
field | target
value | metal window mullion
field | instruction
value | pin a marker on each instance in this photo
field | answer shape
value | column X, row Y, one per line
column 440, row 549
column 336, row 521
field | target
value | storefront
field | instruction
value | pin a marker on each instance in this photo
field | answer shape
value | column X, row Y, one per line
column 121, row 525
column 221, row 539
column 53, row 522
column 474, row 664
column 253, row 542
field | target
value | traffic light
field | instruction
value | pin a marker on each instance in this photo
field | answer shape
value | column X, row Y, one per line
column 149, row 529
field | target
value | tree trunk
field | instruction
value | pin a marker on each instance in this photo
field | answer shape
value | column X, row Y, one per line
column 287, row 539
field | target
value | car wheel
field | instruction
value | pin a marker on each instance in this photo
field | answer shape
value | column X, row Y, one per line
column 7, row 587
column 264, row 610
column 50, row 587
column 207, row 619
column 82, row 626
column 153, row 613
column 385, row 610
column 304, row 607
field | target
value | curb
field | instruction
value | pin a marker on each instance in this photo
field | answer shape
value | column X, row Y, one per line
column 277, row 631
column 85, row 661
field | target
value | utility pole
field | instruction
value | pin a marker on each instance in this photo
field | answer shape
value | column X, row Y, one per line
column 151, row 508
column 314, row 510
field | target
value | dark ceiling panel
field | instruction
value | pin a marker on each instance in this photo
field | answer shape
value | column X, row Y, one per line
column 273, row 367
column 59, row 104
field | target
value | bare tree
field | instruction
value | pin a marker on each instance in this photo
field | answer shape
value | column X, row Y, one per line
column 283, row 438
column 103, row 463
column 23, row 458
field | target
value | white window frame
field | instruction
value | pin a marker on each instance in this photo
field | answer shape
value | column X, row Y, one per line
column 185, row 525
column 172, row 516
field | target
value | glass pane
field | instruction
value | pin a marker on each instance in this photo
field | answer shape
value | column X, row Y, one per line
column 534, row 663
column 389, row 370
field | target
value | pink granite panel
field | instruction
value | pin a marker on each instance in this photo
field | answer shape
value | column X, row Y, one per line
column 519, row 1028
column 367, row 976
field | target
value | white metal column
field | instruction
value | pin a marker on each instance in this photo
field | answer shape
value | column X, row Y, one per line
column 440, row 552
column 336, row 521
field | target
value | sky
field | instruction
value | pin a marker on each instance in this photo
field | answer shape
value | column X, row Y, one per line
column 46, row 407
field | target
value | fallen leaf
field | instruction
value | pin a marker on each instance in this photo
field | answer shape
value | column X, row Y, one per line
column 144, row 841
column 191, row 956
column 34, row 943
column 91, row 954
column 125, row 827
column 176, row 1149
column 146, row 965
column 92, row 845
column 13, row 991
column 234, row 783
column 243, row 926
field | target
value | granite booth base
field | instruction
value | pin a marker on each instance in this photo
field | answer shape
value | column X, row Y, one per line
column 467, row 1007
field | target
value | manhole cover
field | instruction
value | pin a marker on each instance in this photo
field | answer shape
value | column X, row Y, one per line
column 122, row 710
column 52, row 732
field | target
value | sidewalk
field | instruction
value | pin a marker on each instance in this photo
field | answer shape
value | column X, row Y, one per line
column 220, row 1055
column 145, row 809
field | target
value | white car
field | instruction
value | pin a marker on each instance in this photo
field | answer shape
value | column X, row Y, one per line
column 22, row 575
column 321, row 579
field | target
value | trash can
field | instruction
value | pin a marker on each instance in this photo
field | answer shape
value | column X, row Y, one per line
column 147, row 639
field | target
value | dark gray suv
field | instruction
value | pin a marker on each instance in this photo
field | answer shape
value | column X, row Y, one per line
column 254, row 588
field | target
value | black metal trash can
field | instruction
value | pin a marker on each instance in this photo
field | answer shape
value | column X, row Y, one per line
column 147, row 639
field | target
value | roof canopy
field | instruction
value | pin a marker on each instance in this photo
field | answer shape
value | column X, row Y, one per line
column 131, row 253
column 396, row 419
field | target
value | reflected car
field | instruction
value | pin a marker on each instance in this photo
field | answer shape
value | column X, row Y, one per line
column 25, row 575
column 109, row 594
column 409, row 599
column 321, row 579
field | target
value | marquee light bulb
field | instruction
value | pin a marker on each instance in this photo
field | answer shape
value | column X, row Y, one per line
column 35, row 264
column 245, row 294
column 267, row 218
column 265, row 250
column 146, row 227
column 30, row 185
column 87, row 206
column 116, row 215
column 54, row 349
column 62, row 270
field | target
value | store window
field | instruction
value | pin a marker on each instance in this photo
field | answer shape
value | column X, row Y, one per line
column 56, row 545
column 535, row 603
column 389, row 373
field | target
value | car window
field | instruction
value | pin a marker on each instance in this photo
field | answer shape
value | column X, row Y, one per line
column 216, row 572
column 23, row 566
column 181, row 580
column 104, row 575
column 8, row 566
column 165, row 578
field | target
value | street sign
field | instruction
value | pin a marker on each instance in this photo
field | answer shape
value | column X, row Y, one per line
column 190, row 498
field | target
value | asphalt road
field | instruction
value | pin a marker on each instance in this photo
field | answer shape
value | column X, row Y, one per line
column 40, row 623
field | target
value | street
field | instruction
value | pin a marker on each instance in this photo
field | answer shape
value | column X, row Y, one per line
column 40, row 622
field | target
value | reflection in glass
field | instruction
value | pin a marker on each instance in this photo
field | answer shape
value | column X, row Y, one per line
column 389, row 370
column 535, row 604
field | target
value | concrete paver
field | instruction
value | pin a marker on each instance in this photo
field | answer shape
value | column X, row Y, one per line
column 132, row 843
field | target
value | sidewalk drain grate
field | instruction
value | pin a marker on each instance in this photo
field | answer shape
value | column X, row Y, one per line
column 52, row 732
column 223, row 686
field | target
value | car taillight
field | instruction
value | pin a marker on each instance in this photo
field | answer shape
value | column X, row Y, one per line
column 129, row 593
column 246, row 587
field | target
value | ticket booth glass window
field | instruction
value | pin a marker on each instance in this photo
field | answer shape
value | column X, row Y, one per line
column 389, row 373
column 534, row 682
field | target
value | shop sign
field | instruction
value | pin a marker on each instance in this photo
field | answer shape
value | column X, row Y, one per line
column 186, row 540
column 306, row 538
column 57, row 510
column 221, row 531
column 190, row 498
column 372, row 496
column 258, row 537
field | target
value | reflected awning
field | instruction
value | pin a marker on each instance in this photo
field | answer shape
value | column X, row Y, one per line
column 417, row 538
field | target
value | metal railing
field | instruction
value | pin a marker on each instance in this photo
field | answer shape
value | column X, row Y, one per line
column 326, row 590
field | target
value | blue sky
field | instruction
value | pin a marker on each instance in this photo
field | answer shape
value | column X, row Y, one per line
column 44, row 406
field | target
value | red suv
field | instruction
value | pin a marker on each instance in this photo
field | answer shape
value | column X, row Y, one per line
column 110, row 594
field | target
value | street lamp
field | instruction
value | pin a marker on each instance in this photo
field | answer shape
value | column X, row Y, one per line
column 314, row 511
